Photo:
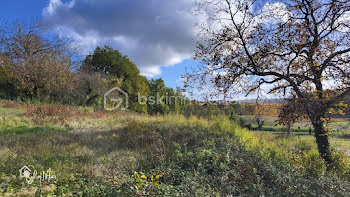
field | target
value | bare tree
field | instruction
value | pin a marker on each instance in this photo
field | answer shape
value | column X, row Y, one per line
column 295, row 46
column 38, row 63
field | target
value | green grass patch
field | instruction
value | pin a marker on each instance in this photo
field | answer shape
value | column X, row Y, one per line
column 11, row 112
column 98, row 154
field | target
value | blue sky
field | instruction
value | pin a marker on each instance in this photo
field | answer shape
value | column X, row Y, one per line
column 169, row 38
column 21, row 9
column 158, row 35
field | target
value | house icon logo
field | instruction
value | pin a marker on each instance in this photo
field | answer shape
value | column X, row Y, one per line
column 25, row 171
column 29, row 173
column 116, row 98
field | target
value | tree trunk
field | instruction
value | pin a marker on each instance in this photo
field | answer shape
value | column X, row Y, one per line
column 322, row 141
column 288, row 128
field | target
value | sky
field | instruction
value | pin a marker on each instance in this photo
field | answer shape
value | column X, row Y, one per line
column 157, row 35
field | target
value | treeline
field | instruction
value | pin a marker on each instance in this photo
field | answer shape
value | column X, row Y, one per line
column 38, row 67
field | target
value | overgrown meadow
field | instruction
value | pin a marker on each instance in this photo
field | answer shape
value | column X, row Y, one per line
column 95, row 153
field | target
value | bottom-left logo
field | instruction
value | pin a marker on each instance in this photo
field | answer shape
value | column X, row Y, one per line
column 31, row 174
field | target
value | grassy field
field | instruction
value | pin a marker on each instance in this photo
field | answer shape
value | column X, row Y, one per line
column 340, row 127
column 95, row 153
column 339, row 136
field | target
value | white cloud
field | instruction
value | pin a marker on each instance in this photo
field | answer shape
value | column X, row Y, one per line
column 152, row 33
column 54, row 4
column 274, row 12
column 151, row 71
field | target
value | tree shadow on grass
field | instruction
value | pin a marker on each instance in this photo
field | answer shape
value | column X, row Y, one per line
column 86, row 146
column 301, row 131
column 126, row 139
column 31, row 130
column 345, row 136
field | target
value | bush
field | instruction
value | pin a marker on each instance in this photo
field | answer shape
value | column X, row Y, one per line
column 205, row 161
column 54, row 114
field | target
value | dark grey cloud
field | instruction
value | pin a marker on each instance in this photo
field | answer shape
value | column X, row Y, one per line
column 153, row 33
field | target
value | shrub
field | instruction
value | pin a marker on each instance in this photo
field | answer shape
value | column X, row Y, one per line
column 55, row 114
